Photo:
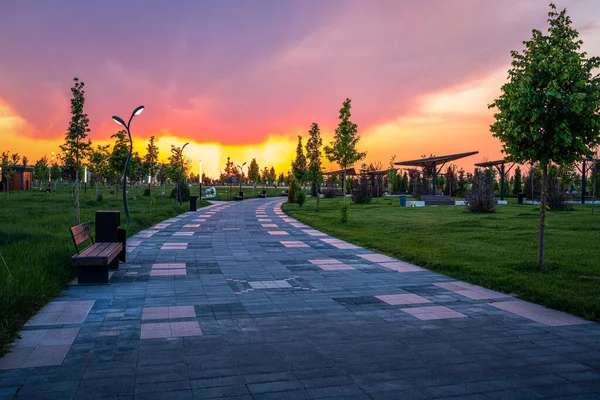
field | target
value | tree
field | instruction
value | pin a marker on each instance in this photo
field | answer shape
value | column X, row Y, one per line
column 517, row 183
column 299, row 163
column 7, row 171
column 254, row 172
column 313, row 153
column 272, row 176
column 119, row 155
column 25, row 161
column 75, row 147
column 281, row 179
column 342, row 150
column 548, row 110
column 265, row 176
column 99, row 164
column 150, row 165
column 40, row 170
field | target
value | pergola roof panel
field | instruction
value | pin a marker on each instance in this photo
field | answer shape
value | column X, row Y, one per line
column 431, row 161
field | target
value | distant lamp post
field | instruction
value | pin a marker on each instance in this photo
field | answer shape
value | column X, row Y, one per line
column 138, row 110
column 179, row 152
column 85, row 179
column 241, row 175
column 51, row 165
column 200, row 179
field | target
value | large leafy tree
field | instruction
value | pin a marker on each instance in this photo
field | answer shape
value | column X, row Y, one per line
column 313, row 153
column 548, row 109
column 40, row 170
column 76, row 147
column 272, row 175
column 299, row 163
column 7, row 171
column 342, row 150
column 254, row 172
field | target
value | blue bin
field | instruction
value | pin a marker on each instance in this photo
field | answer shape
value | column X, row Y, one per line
column 402, row 200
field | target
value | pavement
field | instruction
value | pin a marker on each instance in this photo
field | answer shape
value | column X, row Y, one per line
column 239, row 301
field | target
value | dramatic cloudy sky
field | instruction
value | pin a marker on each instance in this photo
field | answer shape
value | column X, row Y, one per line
column 243, row 78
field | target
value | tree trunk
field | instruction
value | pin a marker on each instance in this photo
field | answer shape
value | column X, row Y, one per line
column 344, row 186
column 77, row 196
column 542, row 219
column 97, row 190
column 318, row 198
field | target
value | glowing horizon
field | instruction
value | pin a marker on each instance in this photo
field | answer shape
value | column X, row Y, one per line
column 420, row 76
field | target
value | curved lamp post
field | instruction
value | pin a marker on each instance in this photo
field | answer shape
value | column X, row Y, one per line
column 179, row 152
column 241, row 174
column 138, row 110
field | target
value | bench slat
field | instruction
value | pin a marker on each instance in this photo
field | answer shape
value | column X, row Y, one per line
column 98, row 254
column 80, row 233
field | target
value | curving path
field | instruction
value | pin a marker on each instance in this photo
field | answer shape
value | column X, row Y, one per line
column 239, row 301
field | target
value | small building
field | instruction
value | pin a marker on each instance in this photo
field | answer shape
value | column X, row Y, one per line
column 20, row 180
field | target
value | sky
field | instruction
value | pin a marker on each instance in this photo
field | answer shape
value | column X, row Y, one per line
column 244, row 78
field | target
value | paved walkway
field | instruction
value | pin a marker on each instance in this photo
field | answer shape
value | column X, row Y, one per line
column 239, row 301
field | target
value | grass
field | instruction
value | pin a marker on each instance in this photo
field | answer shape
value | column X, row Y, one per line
column 36, row 243
column 498, row 251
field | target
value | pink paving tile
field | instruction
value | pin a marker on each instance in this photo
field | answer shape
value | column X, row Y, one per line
column 400, row 299
column 264, row 220
column 269, row 225
column 200, row 220
column 155, row 313
column 188, row 328
column 30, row 338
column 473, row 292
column 168, row 266
column 72, row 317
column 539, row 314
column 168, row 272
column 334, row 267
column 182, row 312
column 155, row 331
column 277, row 233
column 191, row 226
column 313, row 232
column 16, row 358
column 59, row 336
column 298, row 225
column 161, row 226
column 433, row 312
column 378, row 258
column 401, row 266
column 134, row 243
column 44, row 318
column 44, row 356
column 325, row 261
column 183, row 234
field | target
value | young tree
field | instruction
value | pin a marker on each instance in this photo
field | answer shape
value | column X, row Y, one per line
column 281, row 179
column 254, row 173
column 7, row 171
column 118, row 157
column 150, row 164
column 75, row 147
column 299, row 163
column 313, row 152
column 272, row 176
column 517, row 184
column 40, row 170
column 99, row 164
column 342, row 150
column 25, row 161
column 265, row 176
column 548, row 110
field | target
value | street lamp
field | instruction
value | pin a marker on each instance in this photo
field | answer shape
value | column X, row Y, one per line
column 51, row 165
column 138, row 110
column 179, row 152
column 241, row 176
column 200, row 179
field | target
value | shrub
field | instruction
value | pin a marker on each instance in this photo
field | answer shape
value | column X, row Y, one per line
column 344, row 213
column 556, row 197
column 361, row 192
column 185, row 192
column 300, row 198
column 481, row 199
column 329, row 193
column 147, row 192
column 314, row 189
column 293, row 189
column 99, row 197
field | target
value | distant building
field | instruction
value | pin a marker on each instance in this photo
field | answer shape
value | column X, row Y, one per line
column 21, row 179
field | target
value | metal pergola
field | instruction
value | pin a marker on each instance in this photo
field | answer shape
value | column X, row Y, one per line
column 499, row 164
column 433, row 162
column 584, row 169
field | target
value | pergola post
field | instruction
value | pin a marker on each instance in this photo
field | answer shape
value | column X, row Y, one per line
column 583, row 182
column 434, row 178
column 502, row 182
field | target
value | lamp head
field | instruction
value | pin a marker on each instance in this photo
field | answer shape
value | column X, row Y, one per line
column 183, row 147
column 138, row 110
column 118, row 120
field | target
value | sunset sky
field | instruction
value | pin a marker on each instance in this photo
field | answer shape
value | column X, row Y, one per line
column 242, row 78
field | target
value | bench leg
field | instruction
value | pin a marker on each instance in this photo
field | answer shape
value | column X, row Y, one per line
column 114, row 264
column 89, row 275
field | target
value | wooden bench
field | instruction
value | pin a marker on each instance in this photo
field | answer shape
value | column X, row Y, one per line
column 94, row 261
column 263, row 194
column 437, row 200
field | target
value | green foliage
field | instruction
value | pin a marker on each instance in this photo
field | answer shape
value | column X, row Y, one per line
column 99, row 197
column 299, row 168
column 300, row 198
column 7, row 171
column 342, row 150
column 76, row 148
column 150, row 164
column 344, row 213
column 40, row 169
column 313, row 153
column 119, row 154
column 517, row 183
column 254, row 172
column 185, row 192
column 293, row 189
column 147, row 192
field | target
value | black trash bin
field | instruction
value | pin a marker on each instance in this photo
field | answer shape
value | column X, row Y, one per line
column 520, row 198
column 108, row 223
column 193, row 203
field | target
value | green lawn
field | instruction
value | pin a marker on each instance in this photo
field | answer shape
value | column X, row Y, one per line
column 498, row 251
column 37, row 246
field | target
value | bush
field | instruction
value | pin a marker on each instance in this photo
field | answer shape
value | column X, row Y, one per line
column 293, row 189
column 344, row 213
column 481, row 199
column 329, row 193
column 300, row 198
column 147, row 192
column 99, row 197
column 185, row 192
column 361, row 192
column 556, row 197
